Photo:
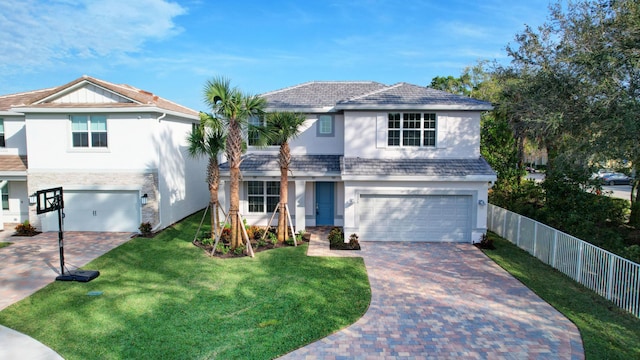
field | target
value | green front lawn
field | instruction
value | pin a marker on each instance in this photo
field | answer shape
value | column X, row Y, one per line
column 607, row 331
column 164, row 298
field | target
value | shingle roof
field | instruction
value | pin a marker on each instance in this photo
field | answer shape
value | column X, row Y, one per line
column 336, row 95
column 403, row 94
column 416, row 167
column 13, row 163
column 138, row 97
column 300, row 164
column 317, row 94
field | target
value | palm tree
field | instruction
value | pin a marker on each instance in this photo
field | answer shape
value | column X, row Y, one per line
column 207, row 139
column 233, row 108
column 282, row 127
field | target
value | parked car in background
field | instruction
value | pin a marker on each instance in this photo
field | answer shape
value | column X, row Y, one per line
column 615, row 179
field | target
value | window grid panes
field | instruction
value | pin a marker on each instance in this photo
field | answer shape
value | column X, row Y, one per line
column 253, row 137
column 261, row 194
column 85, row 128
column 394, row 135
column 414, row 130
column 325, row 125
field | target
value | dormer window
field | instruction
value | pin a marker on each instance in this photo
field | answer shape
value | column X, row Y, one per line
column 89, row 131
column 412, row 129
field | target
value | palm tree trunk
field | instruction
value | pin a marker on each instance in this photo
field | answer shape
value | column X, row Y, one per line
column 234, row 151
column 284, row 160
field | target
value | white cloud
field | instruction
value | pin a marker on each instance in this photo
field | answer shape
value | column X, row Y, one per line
column 38, row 34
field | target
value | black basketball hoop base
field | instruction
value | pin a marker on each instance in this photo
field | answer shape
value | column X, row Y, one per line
column 79, row 275
column 52, row 200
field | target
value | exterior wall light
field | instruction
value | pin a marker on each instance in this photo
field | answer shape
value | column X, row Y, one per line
column 33, row 199
column 143, row 199
column 481, row 203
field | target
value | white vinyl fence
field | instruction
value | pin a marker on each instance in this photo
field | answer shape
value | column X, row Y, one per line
column 610, row 275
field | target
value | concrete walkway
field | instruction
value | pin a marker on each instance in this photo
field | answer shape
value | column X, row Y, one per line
column 445, row 301
column 31, row 263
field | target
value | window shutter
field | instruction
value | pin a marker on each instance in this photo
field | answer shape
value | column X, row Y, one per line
column 381, row 130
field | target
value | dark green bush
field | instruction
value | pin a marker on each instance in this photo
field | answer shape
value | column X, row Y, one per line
column 336, row 236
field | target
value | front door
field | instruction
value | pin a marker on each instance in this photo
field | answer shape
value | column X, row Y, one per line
column 324, row 203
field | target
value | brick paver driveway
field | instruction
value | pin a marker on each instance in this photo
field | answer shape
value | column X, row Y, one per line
column 31, row 263
column 439, row 301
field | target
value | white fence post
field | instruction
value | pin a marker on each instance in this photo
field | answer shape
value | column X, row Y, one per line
column 579, row 266
column 518, row 231
column 610, row 277
column 555, row 248
column 535, row 237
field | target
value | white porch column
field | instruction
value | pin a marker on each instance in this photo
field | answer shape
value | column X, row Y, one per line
column 300, row 207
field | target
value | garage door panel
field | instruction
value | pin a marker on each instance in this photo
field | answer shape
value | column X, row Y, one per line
column 98, row 211
column 415, row 218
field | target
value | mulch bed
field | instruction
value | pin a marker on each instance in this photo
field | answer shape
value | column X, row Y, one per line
column 254, row 245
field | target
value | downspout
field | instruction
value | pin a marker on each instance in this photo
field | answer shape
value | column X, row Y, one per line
column 155, row 228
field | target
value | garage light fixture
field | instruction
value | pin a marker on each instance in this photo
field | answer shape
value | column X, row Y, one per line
column 143, row 199
column 33, row 199
column 481, row 203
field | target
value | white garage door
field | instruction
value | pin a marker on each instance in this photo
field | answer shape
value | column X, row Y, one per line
column 436, row 218
column 109, row 211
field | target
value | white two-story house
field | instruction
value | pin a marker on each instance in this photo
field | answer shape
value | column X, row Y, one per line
column 118, row 152
column 389, row 163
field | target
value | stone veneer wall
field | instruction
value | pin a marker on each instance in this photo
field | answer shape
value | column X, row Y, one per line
column 147, row 183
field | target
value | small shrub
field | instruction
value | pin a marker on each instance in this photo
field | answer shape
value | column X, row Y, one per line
column 239, row 250
column 254, row 232
column 145, row 228
column 486, row 242
column 206, row 241
column 273, row 238
column 222, row 249
column 289, row 241
column 336, row 236
column 25, row 229
column 261, row 243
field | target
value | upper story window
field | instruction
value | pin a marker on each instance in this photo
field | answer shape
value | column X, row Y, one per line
column 253, row 137
column 261, row 194
column 325, row 125
column 412, row 129
column 89, row 131
column 2, row 144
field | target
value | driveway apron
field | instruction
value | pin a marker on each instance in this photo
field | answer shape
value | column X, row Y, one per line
column 31, row 263
column 447, row 301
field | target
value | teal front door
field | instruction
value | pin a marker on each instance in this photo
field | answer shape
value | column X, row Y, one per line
column 324, row 203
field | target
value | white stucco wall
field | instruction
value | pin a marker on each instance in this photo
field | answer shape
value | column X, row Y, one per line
column 14, row 135
column 181, row 178
column 457, row 136
column 130, row 144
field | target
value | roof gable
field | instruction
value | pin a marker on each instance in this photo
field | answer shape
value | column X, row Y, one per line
column 89, row 92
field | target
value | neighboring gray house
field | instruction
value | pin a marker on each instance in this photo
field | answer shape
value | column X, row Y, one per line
column 398, row 163
column 118, row 152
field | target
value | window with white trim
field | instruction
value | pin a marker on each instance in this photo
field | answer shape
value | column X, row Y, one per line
column 252, row 137
column 88, row 131
column 412, row 129
column 325, row 125
column 261, row 194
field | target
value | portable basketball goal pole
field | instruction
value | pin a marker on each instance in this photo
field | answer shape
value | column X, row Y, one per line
column 49, row 200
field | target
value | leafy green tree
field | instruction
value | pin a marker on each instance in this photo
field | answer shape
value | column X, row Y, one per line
column 282, row 127
column 579, row 89
column 208, row 139
column 233, row 108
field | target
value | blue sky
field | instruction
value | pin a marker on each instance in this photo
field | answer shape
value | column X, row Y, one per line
column 172, row 47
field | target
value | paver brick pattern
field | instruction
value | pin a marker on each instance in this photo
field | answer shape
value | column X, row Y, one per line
column 31, row 263
column 445, row 301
